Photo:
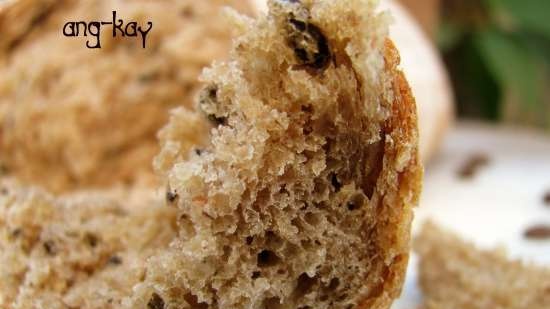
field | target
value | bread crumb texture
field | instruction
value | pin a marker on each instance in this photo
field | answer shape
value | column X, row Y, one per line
column 85, row 250
column 73, row 117
column 456, row 275
column 303, row 197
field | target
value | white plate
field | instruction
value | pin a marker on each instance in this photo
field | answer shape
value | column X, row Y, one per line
column 494, row 208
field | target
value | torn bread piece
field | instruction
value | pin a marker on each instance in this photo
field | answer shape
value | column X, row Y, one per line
column 84, row 250
column 455, row 274
column 303, row 198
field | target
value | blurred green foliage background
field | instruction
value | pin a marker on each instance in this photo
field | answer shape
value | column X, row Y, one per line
column 498, row 54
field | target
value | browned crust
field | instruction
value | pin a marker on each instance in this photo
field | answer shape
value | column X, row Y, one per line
column 394, row 233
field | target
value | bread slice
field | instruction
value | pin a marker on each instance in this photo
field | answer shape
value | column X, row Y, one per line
column 83, row 251
column 73, row 117
column 303, row 197
column 455, row 274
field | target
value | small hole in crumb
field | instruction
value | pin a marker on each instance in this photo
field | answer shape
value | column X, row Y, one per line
column 312, row 219
column 226, row 252
column 307, row 108
column 50, row 248
column 91, row 239
column 335, row 183
column 249, row 240
column 334, row 283
column 342, row 297
column 305, row 284
column 356, row 202
column 267, row 258
column 256, row 274
column 272, row 303
column 194, row 301
column 155, row 302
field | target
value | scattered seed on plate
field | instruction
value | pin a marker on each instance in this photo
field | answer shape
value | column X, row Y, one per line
column 546, row 198
column 538, row 232
column 472, row 166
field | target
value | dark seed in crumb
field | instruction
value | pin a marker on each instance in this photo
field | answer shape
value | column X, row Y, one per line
column 171, row 197
column 220, row 121
column 198, row 151
column 91, row 239
column 49, row 247
column 249, row 240
column 16, row 233
column 155, row 302
column 335, row 183
column 309, row 44
column 473, row 165
column 115, row 260
column 148, row 77
column 211, row 94
column 538, row 232
column 207, row 99
column 187, row 12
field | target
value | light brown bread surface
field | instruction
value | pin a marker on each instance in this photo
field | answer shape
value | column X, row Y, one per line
column 456, row 275
column 73, row 117
column 303, row 197
column 82, row 251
